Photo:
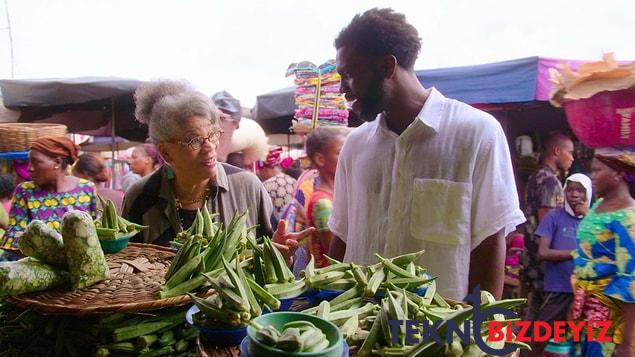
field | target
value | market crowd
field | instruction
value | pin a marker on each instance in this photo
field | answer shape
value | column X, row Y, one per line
column 423, row 172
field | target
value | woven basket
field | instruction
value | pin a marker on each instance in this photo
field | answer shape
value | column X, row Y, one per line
column 19, row 136
column 137, row 276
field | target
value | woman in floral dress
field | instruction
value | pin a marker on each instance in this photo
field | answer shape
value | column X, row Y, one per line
column 50, row 194
column 604, row 261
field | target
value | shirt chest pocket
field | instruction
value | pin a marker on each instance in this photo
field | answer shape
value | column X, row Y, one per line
column 440, row 211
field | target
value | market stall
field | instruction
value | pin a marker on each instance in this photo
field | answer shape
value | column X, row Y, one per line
column 96, row 106
column 92, row 293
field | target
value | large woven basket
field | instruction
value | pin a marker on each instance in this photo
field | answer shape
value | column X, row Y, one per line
column 19, row 136
column 136, row 278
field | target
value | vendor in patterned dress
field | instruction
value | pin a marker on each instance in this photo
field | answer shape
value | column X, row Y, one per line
column 50, row 194
column 604, row 261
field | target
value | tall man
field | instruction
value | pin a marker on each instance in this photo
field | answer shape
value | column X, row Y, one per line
column 544, row 192
column 429, row 173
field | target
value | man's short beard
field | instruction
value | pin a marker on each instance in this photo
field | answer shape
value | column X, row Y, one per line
column 372, row 102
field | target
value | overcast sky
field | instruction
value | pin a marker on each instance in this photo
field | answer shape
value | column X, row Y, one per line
column 246, row 46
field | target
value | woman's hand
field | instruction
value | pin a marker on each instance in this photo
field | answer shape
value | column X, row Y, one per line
column 287, row 242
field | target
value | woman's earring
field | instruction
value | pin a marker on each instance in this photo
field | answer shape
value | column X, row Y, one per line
column 57, row 167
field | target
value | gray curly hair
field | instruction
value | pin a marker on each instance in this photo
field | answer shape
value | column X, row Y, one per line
column 163, row 106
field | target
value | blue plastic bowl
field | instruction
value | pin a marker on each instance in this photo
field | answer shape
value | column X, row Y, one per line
column 285, row 305
column 217, row 336
column 317, row 296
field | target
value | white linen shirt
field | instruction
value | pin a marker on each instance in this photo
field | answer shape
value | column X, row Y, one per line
column 444, row 185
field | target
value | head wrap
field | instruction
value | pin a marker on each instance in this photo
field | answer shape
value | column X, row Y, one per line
column 153, row 153
column 286, row 163
column 57, row 146
column 273, row 158
column 622, row 160
column 228, row 104
column 617, row 159
column 585, row 181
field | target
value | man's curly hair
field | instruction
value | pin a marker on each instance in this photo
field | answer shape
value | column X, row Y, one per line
column 381, row 32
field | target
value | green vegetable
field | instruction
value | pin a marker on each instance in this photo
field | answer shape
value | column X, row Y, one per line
column 373, row 337
column 231, row 318
column 184, row 287
column 351, row 293
column 129, row 332
column 43, row 243
column 290, row 340
column 146, row 340
column 256, row 310
column 394, row 268
column 167, row 338
column 297, row 336
column 323, row 310
column 268, row 335
column 405, row 259
column 166, row 350
column 263, row 295
column 122, row 347
column 373, row 283
column 86, row 262
column 29, row 275
column 181, row 346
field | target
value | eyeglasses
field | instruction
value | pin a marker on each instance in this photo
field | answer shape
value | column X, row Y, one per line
column 198, row 141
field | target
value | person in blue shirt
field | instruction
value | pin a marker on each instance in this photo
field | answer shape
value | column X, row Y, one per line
column 557, row 232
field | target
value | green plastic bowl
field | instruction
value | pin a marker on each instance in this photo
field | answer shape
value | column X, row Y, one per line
column 279, row 319
column 117, row 244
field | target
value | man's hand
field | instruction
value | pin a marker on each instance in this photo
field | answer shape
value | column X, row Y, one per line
column 286, row 242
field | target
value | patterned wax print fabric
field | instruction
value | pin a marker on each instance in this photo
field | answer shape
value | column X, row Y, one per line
column 544, row 190
column 318, row 211
column 31, row 202
column 280, row 189
column 604, row 270
column 304, row 188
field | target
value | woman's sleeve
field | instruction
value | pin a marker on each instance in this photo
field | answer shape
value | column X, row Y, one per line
column 93, row 202
column 622, row 286
column 18, row 219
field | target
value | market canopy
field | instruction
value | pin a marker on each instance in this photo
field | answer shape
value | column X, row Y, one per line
column 513, row 81
column 85, row 105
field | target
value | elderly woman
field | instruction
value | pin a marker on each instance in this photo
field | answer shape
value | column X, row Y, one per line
column 183, row 124
column 604, row 261
column 51, row 193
